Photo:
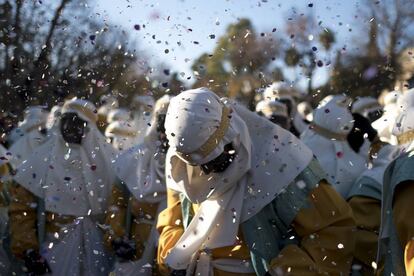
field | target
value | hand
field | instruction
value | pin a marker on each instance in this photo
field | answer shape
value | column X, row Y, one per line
column 124, row 249
column 35, row 263
column 181, row 272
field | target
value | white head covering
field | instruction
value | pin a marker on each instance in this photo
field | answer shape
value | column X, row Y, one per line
column 142, row 115
column 281, row 91
column 365, row 105
column 54, row 116
column 72, row 179
column 404, row 124
column 34, row 118
column 142, row 168
column 108, row 102
column 198, row 126
column 385, row 124
column 305, row 110
column 272, row 108
column 119, row 114
column 327, row 138
column 122, row 133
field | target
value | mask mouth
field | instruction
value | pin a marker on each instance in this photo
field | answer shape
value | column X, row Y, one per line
column 72, row 128
column 221, row 162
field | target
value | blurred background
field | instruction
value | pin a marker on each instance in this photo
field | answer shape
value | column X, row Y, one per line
column 51, row 50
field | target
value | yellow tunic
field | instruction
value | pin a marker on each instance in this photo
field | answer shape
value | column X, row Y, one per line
column 367, row 214
column 4, row 170
column 403, row 213
column 116, row 219
column 325, row 228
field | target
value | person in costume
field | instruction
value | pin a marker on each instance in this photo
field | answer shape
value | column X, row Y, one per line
column 142, row 107
column 32, row 134
column 245, row 197
column 136, row 203
column 60, row 195
column 365, row 200
column 274, row 111
column 396, row 246
column 120, row 131
column 286, row 94
column 327, row 138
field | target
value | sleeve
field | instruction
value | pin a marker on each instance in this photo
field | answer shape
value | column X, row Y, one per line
column 402, row 213
column 325, row 228
column 116, row 215
column 170, row 227
column 367, row 214
column 23, row 219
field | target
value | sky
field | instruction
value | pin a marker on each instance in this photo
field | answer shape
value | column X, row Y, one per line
column 175, row 32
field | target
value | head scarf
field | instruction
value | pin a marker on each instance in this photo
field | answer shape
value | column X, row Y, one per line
column 305, row 110
column 142, row 167
column 272, row 108
column 34, row 119
column 326, row 137
column 53, row 117
column 122, row 134
column 108, row 102
column 281, row 91
column 365, row 105
column 199, row 124
column 72, row 179
column 119, row 114
column 385, row 124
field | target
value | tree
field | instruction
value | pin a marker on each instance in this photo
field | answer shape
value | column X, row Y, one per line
column 56, row 49
column 239, row 63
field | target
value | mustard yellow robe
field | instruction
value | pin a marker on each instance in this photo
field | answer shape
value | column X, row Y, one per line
column 321, row 226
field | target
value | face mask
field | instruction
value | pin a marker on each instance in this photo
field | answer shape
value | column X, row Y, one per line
column 281, row 121
column 72, row 128
column 221, row 162
column 374, row 115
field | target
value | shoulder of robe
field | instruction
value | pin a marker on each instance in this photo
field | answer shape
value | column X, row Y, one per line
column 401, row 169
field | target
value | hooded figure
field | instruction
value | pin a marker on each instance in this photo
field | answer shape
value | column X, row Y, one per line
column 285, row 94
column 327, row 138
column 143, row 106
column 396, row 245
column 139, row 199
column 365, row 200
column 122, row 134
column 239, row 187
column 274, row 111
column 60, row 195
column 368, row 107
column 33, row 134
